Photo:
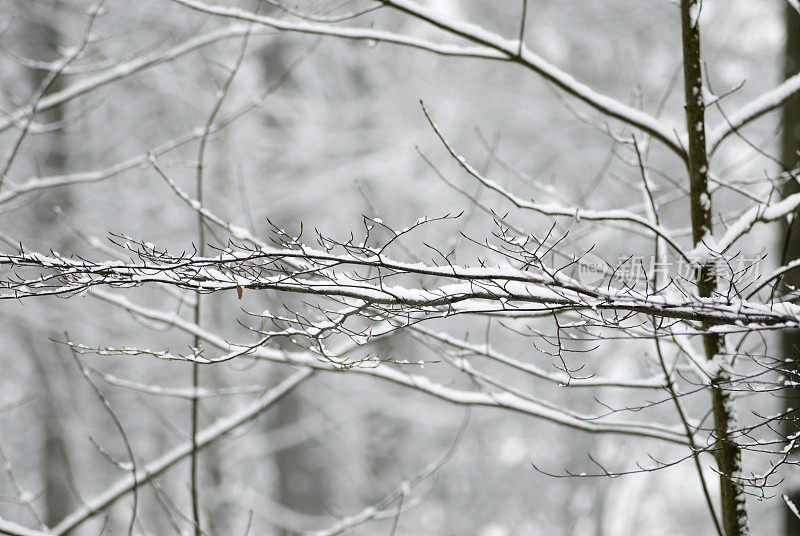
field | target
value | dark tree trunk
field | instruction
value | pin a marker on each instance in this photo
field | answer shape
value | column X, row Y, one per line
column 727, row 453
column 790, row 145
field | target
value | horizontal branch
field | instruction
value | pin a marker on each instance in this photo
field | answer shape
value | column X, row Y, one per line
column 503, row 288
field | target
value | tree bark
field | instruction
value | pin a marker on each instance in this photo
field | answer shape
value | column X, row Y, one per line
column 727, row 453
column 790, row 246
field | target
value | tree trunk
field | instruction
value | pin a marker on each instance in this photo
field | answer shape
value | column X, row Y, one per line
column 790, row 339
column 727, row 453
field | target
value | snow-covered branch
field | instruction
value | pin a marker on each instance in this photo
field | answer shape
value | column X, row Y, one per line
column 751, row 111
column 490, row 46
column 476, row 290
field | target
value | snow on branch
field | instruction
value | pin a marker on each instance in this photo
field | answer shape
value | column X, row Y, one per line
column 361, row 275
column 13, row 529
column 757, row 214
column 491, row 46
column 751, row 111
